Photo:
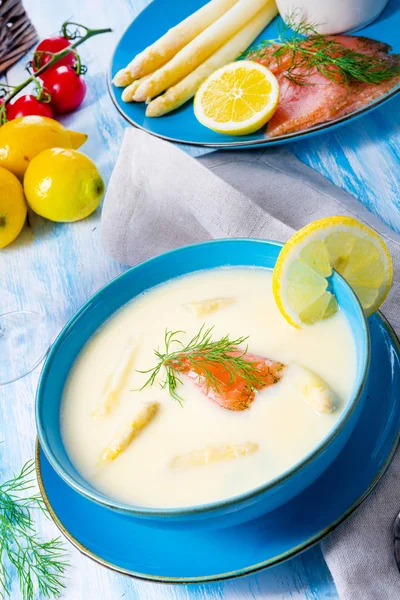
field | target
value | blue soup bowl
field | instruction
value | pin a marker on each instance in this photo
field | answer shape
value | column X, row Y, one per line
column 112, row 297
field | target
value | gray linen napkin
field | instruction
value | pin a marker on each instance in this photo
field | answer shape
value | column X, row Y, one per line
column 160, row 198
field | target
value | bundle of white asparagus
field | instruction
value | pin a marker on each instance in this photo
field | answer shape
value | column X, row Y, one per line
column 170, row 71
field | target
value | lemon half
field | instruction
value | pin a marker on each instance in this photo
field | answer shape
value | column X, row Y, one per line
column 300, row 278
column 237, row 99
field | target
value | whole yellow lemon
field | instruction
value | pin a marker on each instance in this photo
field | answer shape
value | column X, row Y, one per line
column 22, row 139
column 63, row 185
column 12, row 207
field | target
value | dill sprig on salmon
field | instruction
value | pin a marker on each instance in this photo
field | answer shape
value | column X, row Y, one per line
column 323, row 78
column 223, row 368
column 302, row 50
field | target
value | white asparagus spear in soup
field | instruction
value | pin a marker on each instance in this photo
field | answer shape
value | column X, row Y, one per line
column 199, row 49
column 208, row 455
column 129, row 91
column 116, row 382
column 205, row 307
column 314, row 389
column 185, row 89
column 170, row 43
column 129, row 432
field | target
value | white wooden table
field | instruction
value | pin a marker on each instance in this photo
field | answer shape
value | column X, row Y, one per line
column 54, row 268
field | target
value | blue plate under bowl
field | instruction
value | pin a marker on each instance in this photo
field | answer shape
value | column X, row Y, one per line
column 127, row 545
column 102, row 306
column 182, row 125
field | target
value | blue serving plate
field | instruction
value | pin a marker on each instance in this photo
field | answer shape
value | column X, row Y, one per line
column 127, row 545
column 181, row 125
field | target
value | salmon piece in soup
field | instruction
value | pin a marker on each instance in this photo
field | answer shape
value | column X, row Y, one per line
column 231, row 392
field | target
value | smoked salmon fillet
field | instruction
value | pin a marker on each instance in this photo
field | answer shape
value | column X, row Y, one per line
column 303, row 106
column 318, row 98
column 363, row 93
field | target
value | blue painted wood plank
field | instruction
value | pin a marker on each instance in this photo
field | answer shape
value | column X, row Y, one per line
column 363, row 159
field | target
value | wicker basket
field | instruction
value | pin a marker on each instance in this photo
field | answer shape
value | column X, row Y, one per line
column 17, row 33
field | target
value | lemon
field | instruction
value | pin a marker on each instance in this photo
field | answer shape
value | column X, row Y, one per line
column 63, row 185
column 237, row 99
column 300, row 279
column 12, row 207
column 22, row 139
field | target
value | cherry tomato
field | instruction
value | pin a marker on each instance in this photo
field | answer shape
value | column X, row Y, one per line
column 52, row 44
column 28, row 105
column 67, row 89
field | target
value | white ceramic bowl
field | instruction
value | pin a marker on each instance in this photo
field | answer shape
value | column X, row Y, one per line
column 332, row 16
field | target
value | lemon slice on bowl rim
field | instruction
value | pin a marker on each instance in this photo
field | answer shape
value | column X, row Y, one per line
column 237, row 99
column 300, row 279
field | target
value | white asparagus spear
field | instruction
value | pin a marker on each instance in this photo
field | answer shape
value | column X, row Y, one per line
column 313, row 388
column 207, row 455
column 116, row 382
column 129, row 91
column 122, row 78
column 205, row 307
column 175, row 39
column 122, row 440
column 187, row 87
column 199, row 49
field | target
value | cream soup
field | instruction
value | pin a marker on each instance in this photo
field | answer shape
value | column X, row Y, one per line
column 198, row 451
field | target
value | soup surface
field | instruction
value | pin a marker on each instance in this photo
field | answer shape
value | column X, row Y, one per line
column 197, row 451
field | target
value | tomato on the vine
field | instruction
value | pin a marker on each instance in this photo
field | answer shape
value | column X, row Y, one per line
column 28, row 105
column 46, row 49
column 66, row 88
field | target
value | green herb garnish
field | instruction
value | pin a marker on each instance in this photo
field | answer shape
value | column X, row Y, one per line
column 204, row 357
column 39, row 565
column 309, row 50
